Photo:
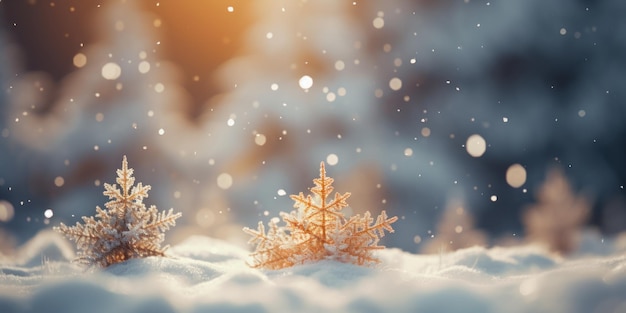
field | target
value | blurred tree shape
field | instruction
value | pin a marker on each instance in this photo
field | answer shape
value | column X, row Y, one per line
column 558, row 215
column 455, row 231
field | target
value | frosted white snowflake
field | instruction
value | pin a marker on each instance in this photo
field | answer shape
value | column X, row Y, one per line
column 125, row 230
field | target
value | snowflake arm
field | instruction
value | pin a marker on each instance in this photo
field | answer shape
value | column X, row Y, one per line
column 318, row 230
column 125, row 229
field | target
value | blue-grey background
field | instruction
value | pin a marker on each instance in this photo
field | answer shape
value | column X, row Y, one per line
column 543, row 82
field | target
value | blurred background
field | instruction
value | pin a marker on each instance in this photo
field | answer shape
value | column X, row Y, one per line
column 453, row 115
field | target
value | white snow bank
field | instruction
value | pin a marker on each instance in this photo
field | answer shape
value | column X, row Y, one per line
column 204, row 274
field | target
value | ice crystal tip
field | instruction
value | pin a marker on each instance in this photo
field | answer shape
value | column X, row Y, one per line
column 125, row 229
column 318, row 230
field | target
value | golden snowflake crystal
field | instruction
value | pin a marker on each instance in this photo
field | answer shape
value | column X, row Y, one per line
column 318, row 230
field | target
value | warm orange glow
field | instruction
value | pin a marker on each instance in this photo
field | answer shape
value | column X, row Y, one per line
column 200, row 36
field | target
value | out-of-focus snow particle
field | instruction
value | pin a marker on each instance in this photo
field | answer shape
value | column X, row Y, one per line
column 332, row 159
column 269, row 35
column 161, row 131
column 408, row 152
column 493, row 198
column 330, row 97
column 339, row 65
column 563, row 31
column 395, row 83
column 205, row 218
column 80, row 60
column 505, row 119
column 230, row 122
column 59, row 181
column 378, row 22
column 224, row 181
column 341, row 91
column 119, row 25
column 230, row 9
column 417, row 239
column 582, row 113
column 260, row 139
column 274, row 86
column 305, row 82
column 6, row 211
column 111, row 71
column 476, row 145
column 48, row 213
column 516, row 175
column 281, row 192
column 425, row 132
column 528, row 287
column 159, row 87
column 144, row 67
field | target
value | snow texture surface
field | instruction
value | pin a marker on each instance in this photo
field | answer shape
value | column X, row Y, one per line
column 203, row 274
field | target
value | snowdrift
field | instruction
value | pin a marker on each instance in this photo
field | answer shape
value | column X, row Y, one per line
column 204, row 274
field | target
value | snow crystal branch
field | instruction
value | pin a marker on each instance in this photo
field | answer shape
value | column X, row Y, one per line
column 318, row 230
column 125, row 229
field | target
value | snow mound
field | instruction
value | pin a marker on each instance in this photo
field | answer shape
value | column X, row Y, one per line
column 44, row 247
column 204, row 274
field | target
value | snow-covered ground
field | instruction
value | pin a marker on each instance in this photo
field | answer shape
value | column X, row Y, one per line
column 203, row 274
